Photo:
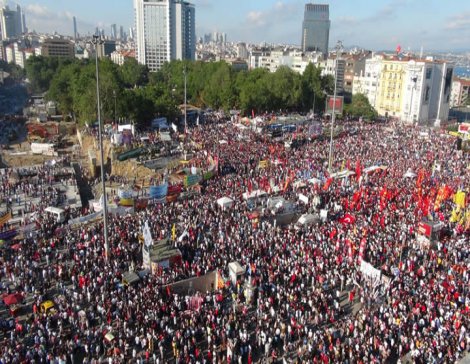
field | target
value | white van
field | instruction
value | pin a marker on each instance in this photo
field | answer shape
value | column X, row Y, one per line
column 57, row 212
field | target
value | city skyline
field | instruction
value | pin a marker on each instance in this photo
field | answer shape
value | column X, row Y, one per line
column 373, row 25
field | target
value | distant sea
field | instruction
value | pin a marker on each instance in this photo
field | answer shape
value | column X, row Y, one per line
column 462, row 71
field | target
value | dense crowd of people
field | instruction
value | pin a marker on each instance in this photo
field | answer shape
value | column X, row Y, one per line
column 304, row 296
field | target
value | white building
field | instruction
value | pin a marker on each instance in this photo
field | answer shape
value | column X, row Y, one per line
column 273, row 59
column 19, row 55
column 165, row 30
column 242, row 51
column 10, row 54
column 329, row 68
column 368, row 83
column 460, row 92
column 120, row 56
column 426, row 91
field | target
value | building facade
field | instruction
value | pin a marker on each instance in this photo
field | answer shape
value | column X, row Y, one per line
column 367, row 82
column 104, row 49
column 57, row 47
column 316, row 28
column 165, row 30
column 413, row 90
column 335, row 68
column 460, row 92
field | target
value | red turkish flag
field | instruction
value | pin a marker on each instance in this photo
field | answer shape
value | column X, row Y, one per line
column 347, row 219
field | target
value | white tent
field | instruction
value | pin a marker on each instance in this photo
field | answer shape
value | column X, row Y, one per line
column 314, row 181
column 225, row 202
column 235, row 270
column 342, row 174
column 253, row 194
column 298, row 184
column 306, row 219
column 409, row 174
column 276, row 203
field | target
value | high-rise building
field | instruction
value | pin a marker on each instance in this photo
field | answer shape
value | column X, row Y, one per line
column 12, row 22
column 316, row 28
column 74, row 28
column 165, row 30
column 113, row 31
column 121, row 32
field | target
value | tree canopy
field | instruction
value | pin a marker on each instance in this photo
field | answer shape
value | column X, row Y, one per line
column 360, row 107
column 131, row 92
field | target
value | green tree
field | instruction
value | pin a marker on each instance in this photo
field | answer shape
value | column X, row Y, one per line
column 285, row 89
column 41, row 70
column 219, row 91
column 253, row 90
column 360, row 107
column 133, row 74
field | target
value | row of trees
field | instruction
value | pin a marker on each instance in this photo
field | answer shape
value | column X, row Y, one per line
column 130, row 91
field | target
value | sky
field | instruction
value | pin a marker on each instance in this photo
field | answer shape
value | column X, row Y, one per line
column 371, row 24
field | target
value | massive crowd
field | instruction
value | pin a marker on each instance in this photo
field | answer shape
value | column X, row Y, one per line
column 309, row 300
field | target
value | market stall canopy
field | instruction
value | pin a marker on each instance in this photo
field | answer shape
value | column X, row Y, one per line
column 276, row 203
column 253, row 194
column 129, row 278
column 343, row 174
column 225, row 202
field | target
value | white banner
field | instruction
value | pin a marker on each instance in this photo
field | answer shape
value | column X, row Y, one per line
column 369, row 271
column 147, row 235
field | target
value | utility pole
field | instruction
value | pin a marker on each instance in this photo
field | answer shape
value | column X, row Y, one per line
column 339, row 47
column 185, row 102
column 97, row 40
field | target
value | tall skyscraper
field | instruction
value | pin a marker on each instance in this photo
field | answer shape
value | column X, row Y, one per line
column 74, row 28
column 12, row 22
column 121, row 32
column 113, row 31
column 165, row 30
column 316, row 28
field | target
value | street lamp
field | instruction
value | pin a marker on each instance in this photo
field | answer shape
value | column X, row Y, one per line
column 185, row 102
column 339, row 47
column 114, row 95
column 98, row 41
column 414, row 79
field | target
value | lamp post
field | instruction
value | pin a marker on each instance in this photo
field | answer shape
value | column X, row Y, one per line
column 313, row 105
column 414, row 79
column 114, row 95
column 339, row 47
column 185, row 103
column 97, row 41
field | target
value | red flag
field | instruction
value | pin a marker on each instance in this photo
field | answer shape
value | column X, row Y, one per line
column 250, row 186
column 347, row 219
column 327, row 184
column 358, row 170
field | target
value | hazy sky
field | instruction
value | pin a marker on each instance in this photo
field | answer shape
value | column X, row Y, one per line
column 373, row 24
